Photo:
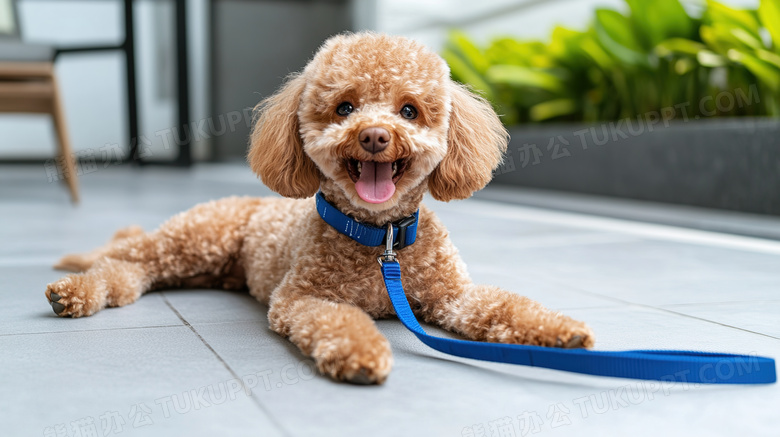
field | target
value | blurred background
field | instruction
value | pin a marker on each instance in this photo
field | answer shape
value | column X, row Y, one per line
column 664, row 100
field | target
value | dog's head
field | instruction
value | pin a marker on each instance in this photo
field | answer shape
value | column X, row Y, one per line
column 379, row 116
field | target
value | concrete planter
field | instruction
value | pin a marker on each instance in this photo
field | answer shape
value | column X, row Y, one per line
column 727, row 163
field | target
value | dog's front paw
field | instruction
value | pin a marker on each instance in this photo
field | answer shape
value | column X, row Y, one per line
column 575, row 335
column 367, row 361
column 76, row 295
column 541, row 328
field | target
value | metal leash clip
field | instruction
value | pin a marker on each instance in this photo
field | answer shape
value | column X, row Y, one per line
column 388, row 255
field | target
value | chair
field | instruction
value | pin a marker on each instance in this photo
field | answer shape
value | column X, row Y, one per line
column 28, row 85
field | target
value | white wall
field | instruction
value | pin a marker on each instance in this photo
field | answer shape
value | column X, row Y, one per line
column 93, row 84
column 6, row 17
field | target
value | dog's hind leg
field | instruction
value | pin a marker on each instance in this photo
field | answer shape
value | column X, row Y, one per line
column 197, row 247
column 79, row 262
column 108, row 282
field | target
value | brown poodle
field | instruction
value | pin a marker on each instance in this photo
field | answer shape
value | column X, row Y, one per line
column 373, row 122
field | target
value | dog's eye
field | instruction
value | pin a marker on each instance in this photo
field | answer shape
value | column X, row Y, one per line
column 409, row 112
column 345, row 109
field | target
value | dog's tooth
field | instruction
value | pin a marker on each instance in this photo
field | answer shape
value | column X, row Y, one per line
column 360, row 167
column 395, row 168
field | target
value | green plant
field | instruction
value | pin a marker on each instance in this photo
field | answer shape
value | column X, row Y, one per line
column 654, row 56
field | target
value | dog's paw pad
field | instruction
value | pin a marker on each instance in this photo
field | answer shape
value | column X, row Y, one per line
column 362, row 377
column 75, row 296
column 61, row 299
column 57, row 307
column 370, row 363
column 55, row 304
column 574, row 342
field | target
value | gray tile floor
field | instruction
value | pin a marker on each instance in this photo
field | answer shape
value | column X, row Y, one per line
column 178, row 362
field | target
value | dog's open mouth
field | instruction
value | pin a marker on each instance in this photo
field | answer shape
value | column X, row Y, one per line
column 375, row 181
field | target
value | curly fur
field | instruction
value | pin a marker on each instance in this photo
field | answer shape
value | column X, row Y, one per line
column 323, row 289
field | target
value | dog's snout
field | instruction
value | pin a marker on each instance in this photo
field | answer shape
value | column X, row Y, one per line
column 374, row 139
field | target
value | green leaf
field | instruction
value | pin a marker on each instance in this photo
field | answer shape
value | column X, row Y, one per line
column 745, row 19
column 524, row 77
column 461, row 71
column 659, row 20
column 683, row 66
column 594, row 50
column 617, row 27
column 769, row 13
column 528, row 54
column 679, row 46
column 461, row 44
column 722, row 38
column 552, row 108
column 615, row 34
column 764, row 71
column 766, row 55
column 565, row 43
column 710, row 59
column 746, row 38
column 507, row 51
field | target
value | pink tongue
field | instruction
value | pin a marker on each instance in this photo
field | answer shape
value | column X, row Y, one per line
column 376, row 181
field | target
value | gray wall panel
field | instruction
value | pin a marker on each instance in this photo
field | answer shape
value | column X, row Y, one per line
column 256, row 44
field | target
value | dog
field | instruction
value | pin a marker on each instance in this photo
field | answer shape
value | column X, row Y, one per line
column 373, row 122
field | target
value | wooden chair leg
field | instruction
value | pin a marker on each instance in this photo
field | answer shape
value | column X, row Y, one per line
column 69, row 159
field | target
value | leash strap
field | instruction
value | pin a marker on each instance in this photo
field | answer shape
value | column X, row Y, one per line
column 660, row 365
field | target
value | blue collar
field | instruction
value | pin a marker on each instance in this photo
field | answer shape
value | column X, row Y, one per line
column 404, row 230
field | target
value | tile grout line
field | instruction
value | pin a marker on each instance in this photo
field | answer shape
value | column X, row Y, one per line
column 641, row 305
column 91, row 330
column 721, row 302
column 225, row 364
column 714, row 322
column 595, row 307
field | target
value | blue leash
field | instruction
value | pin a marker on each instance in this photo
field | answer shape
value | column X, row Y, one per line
column 671, row 365
column 660, row 365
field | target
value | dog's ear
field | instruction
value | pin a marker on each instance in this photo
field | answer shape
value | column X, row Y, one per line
column 476, row 142
column 276, row 152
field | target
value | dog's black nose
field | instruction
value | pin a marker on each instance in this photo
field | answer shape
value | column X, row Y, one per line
column 374, row 139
